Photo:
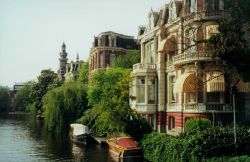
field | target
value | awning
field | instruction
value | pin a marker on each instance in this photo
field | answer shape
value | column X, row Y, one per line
column 185, row 83
column 167, row 45
column 215, row 82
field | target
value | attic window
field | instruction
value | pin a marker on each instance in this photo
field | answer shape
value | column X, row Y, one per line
column 151, row 21
column 191, row 6
column 172, row 12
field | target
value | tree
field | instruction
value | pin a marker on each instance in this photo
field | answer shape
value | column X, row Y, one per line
column 22, row 98
column 84, row 73
column 109, row 97
column 45, row 79
column 64, row 105
column 232, row 42
column 5, row 101
column 128, row 60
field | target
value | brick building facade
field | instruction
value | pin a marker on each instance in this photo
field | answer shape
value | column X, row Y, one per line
column 107, row 46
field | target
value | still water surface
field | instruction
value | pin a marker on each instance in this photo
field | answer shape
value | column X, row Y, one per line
column 23, row 140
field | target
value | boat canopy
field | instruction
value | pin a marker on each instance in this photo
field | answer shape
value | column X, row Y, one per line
column 78, row 129
column 127, row 142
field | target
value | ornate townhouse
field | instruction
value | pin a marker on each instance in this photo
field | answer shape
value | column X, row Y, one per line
column 108, row 45
column 179, row 78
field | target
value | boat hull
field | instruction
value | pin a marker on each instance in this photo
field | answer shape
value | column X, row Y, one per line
column 80, row 139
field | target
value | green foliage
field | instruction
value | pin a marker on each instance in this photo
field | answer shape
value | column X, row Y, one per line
column 84, row 73
column 5, row 101
column 202, row 145
column 45, row 79
column 109, row 97
column 138, row 124
column 22, row 98
column 196, row 124
column 160, row 147
column 229, row 159
column 127, row 61
column 64, row 105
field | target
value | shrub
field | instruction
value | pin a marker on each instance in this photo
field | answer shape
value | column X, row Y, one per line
column 196, row 124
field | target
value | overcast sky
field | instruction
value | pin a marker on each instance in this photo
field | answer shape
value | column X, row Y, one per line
column 32, row 31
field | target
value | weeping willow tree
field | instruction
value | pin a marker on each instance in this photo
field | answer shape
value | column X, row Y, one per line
column 64, row 105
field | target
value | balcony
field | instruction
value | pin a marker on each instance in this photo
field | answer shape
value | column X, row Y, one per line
column 206, row 15
column 200, row 108
column 144, row 108
column 144, row 68
column 193, row 57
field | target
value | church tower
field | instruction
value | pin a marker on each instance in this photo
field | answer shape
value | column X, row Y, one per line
column 63, row 61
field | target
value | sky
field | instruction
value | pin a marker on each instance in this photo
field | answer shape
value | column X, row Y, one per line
column 32, row 31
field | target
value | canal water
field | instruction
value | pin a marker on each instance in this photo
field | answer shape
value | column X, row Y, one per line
column 22, row 139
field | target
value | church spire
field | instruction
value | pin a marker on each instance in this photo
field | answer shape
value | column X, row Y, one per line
column 62, row 62
column 77, row 57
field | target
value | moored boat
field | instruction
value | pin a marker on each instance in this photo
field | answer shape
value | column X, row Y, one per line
column 124, row 147
column 79, row 133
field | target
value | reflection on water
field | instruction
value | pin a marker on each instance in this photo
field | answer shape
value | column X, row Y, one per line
column 23, row 139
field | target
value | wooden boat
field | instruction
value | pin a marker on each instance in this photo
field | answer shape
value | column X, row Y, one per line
column 79, row 133
column 124, row 147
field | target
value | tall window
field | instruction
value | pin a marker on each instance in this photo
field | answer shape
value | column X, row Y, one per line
column 214, row 5
column 190, row 97
column 151, row 91
column 150, row 54
column 172, row 94
column 191, row 39
column 102, row 60
column 111, row 59
column 141, row 89
column 213, row 97
column 171, row 123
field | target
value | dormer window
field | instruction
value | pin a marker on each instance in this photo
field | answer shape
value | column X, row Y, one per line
column 151, row 21
column 172, row 12
column 191, row 6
